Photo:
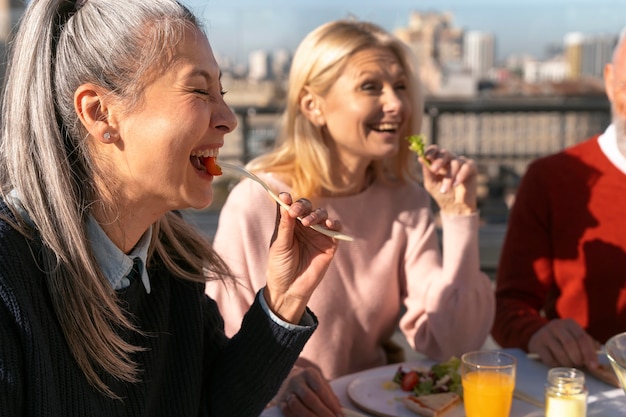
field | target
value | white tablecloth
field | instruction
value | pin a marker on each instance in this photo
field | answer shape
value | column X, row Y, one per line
column 604, row 400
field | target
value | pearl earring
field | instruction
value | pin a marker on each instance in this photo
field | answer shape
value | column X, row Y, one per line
column 107, row 136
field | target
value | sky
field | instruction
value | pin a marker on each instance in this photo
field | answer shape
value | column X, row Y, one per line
column 237, row 27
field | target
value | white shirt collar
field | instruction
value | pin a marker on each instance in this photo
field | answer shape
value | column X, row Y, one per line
column 115, row 264
column 608, row 145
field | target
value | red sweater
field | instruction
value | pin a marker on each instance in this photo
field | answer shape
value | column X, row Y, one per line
column 565, row 250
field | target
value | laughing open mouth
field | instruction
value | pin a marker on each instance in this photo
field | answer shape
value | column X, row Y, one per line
column 206, row 161
column 386, row 127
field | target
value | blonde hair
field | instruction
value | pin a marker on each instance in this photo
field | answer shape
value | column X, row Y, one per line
column 119, row 45
column 301, row 152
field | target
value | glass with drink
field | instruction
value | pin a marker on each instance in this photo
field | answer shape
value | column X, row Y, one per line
column 615, row 349
column 488, row 379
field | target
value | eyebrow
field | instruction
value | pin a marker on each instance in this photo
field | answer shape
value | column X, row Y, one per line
column 205, row 74
column 364, row 73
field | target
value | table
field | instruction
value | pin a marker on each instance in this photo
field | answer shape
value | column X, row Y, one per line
column 604, row 400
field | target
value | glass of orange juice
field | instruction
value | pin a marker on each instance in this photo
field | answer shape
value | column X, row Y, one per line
column 488, row 379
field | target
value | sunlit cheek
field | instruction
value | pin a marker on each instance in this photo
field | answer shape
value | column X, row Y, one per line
column 407, row 109
column 620, row 103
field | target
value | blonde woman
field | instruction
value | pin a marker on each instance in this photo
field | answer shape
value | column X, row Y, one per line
column 353, row 99
column 110, row 111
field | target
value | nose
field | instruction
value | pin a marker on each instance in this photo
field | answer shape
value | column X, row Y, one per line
column 392, row 103
column 224, row 119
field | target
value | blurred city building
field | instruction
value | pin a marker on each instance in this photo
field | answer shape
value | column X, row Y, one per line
column 281, row 63
column 438, row 48
column 555, row 69
column 586, row 55
column 479, row 53
column 259, row 68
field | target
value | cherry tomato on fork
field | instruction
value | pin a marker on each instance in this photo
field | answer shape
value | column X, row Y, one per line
column 212, row 167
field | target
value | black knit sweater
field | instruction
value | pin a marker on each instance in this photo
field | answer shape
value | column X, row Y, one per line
column 189, row 367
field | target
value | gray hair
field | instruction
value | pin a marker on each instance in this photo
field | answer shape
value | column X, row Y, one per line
column 113, row 44
column 120, row 45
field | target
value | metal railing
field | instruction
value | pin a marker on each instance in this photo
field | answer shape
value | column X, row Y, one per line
column 500, row 130
column 489, row 130
column 501, row 134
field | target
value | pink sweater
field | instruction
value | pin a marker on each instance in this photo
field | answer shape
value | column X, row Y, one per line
column 395, row 260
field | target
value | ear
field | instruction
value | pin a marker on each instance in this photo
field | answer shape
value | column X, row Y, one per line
column 608, row 80
column 310, row 106
column 93, row 111
column 616, row 95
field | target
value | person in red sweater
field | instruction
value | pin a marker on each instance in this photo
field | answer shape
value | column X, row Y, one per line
column 561, row 285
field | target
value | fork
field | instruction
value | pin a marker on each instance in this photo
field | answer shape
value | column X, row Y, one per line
column 241, row 170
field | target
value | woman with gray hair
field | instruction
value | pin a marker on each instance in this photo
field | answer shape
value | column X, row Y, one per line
column 111, row 110
column 353, row 99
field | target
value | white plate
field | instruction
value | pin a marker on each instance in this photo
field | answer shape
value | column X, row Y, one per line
column 352, row 413
column 370, row 395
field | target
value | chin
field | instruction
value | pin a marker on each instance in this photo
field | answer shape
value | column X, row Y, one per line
column 389, row 152
column 202, row 206
column 200, row 202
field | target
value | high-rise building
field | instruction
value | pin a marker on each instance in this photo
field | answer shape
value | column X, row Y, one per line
column 436, row 44
column 587, row 55
column 597, row 52
column 555, row 69
column 573, row 53
column 479, row 51
column 259, row 67
column 281, row 63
